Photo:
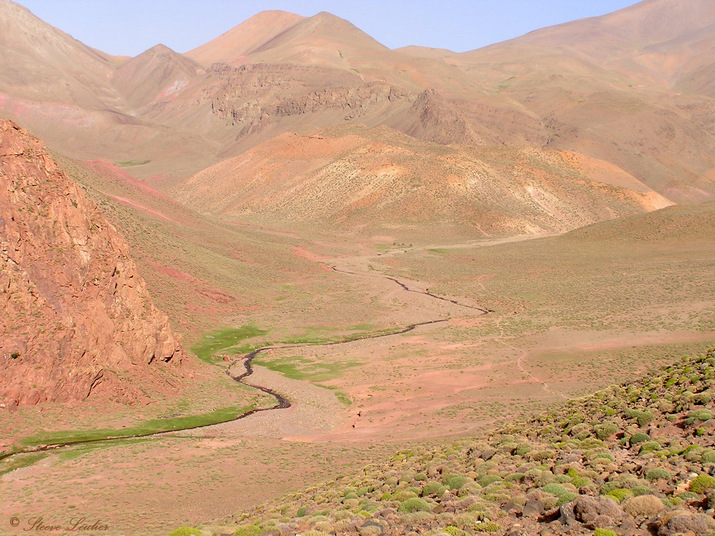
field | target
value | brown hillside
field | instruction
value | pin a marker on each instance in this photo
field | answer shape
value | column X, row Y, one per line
column 647, row 41
column 159, row 72
column 77, row 319
column 40, row 62
column 244, row 38
column 356, row 177
column 628, row 87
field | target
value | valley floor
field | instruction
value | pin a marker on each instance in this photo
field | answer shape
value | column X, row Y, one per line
column 356, row 402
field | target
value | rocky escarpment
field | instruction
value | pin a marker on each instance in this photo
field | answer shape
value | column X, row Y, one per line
column 251, row 97
column 440, row 122
column 77, row 320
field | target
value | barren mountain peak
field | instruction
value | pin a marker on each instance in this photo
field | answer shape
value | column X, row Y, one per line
column 245, row 37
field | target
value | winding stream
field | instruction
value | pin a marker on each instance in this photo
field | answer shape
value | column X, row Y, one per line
column 282, row 402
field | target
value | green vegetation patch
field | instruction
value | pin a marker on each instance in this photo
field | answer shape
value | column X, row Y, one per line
column 702, row 483
column 18, row 462
column 140, row 430
column 185, row 531
column 130, row 163
column 226, row 341
column 322, row 335
column 414, row 504
column 301, row 368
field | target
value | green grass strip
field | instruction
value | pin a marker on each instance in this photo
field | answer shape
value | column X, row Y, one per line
column 143, row 429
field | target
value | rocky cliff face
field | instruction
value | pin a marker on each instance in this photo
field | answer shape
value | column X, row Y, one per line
column 77, row 320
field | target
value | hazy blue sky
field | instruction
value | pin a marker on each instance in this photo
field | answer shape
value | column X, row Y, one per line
column 128, row 27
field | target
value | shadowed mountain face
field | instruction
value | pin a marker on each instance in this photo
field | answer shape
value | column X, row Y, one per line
column 633, row 88
column 77, row 319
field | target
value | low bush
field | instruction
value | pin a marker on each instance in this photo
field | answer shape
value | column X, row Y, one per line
column 414, row 505
column 701, row 484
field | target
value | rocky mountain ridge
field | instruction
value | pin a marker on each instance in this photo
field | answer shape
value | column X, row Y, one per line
column 77, row 318
column 615, row 88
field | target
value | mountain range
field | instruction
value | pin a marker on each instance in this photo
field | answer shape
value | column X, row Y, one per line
column 631, row 91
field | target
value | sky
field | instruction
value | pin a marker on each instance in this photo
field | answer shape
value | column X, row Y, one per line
column 129, row 27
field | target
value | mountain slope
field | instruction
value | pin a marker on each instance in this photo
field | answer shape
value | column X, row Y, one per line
column 353, row 177
column 156, row 73
column 40, row 62
column 629, row 88
column 244, row 38
column 647, row 41
column 606, row 87
column 77, row 319
column 631, row 459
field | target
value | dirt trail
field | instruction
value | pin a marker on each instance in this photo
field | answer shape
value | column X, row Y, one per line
column 523, row 354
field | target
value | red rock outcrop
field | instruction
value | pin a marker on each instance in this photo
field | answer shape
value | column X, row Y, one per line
column 77, row 319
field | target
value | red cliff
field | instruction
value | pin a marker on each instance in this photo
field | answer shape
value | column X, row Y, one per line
column 76, row 318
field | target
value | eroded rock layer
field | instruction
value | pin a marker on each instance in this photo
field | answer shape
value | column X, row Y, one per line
column 77, row 320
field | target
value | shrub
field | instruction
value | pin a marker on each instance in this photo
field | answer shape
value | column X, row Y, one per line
column 420, row 477
column 541, row 455
column 644, row 417
column 488, row 479
column 456, row 481
column 555, row 489
column 700, row 415
column 605, row 430
column 604, row 455
column 566, row 498
column 641, row 490
column 701, row 484
column 300, row 512
column 186, row 531
column 453, row 531
column 620, row 494
column 693, row 453
column 433, row 488
column 657, row 474
column 640, row 437
column 581, row 481
column 522, row 449
column 403, row 495
column 688, row 496
column 709, row 456
column 649, row 446
column 645, row 506
column 604, row 532
column 414, row 505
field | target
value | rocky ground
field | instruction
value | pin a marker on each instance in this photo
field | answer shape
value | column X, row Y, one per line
column 77, row 318
column 633, row 459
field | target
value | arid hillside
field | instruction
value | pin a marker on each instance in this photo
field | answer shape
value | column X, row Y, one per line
column 357, row 178
column 630, row 88
column 77, row 319
column 631, row 459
